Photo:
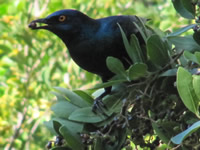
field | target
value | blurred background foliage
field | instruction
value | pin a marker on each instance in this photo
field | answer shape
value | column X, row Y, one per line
column 31, row 63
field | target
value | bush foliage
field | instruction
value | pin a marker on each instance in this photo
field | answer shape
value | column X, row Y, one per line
column 154, row 104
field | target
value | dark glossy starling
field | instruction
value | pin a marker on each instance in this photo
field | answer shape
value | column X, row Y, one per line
column 91, row 41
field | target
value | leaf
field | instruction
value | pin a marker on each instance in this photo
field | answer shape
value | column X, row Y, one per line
column 157, row 51
column 86, row 115
column 137, row 71
column 186, row 91
column 168, row 73
column 197, row 54
column 181, row 30
column 56, row 126
column 59, row 96
column 128, row 48
column 184, row 8
column 85, row 96
column 191, row 57
column 63, row 109
column 139, row 24
column 196, row 85
column 116, row 66
column 178, row 139
column 184, row 43
column 137, row 51
column 73, row 126
column 160, row 132
column 73, row 139
column 73, row 97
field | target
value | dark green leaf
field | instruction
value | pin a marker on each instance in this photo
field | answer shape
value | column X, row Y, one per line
column 86, row 115
column 56, row 126
column 184, row 43
column 73, row 139
column 137, row 71
column 178, row 139
column 157, row 51
column 116, row 66
column 85, row 96
column 186, row 91
column 63, row 109
column 181, row 30
column 184, row 8
column 72, row 97
column 160, row 132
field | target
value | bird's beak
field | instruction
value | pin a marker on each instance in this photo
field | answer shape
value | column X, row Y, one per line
column 34, row 24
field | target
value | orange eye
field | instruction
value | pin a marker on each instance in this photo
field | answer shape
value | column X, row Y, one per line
column 62, row 18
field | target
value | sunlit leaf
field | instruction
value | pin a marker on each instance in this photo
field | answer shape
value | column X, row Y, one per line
column 178, row 139
column 181, row 30
column 186, row 91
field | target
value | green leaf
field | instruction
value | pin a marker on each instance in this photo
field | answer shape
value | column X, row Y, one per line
column 186, row 91
column 191, row 57
column 128, row 48
column 160, row 132
column 56, row 126
column 139, row 24
column 181, row 30
column 178, row 139
column 137, row 51
column 86, row 115
column 197, row 54
column 85, row 96
column 63, row 109
column 73, row 139
column 72, row 97
column 116, row 66
column 184, row 8
column 196, row 85
column 184, row 43
column 157, row 51
column 137, row 71
column 168, row 73
column 73, row 126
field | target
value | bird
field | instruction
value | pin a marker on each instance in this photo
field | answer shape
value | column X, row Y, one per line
column 90, row 41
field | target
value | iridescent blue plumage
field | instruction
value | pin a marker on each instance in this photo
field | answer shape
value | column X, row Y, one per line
column 91, row 41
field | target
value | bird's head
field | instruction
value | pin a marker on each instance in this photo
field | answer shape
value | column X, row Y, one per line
column 62, row 22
